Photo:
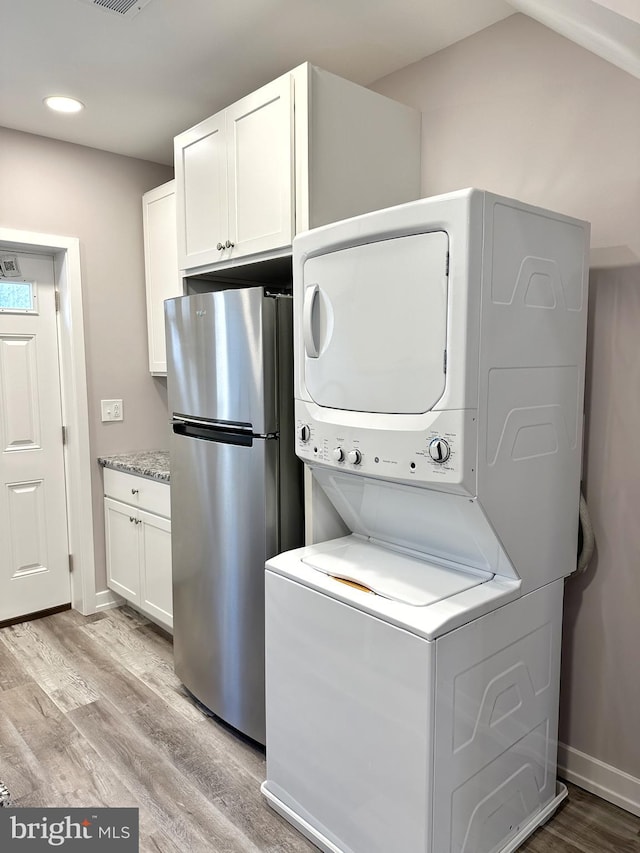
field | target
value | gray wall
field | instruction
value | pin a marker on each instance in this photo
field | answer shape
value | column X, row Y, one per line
column 519, row 110
column 58, row 188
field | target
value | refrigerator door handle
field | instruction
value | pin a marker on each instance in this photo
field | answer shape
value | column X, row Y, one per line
column 211, row 432
column 236, row 426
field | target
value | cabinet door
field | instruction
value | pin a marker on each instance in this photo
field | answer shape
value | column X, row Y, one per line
column 260, row 168
column 123, row 561
column 160, row 266
column 201, row 192
column 155, row 568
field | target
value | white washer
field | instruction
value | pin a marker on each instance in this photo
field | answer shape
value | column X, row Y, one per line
column 413, row 666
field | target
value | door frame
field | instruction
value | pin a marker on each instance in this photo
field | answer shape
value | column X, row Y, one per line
column 75, row 408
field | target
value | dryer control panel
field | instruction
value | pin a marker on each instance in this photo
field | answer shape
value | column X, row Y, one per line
column 443, row 454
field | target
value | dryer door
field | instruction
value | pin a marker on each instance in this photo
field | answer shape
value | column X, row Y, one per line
column 374, row 325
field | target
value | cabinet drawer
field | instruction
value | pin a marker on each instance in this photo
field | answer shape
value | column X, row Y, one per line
column 141, row 492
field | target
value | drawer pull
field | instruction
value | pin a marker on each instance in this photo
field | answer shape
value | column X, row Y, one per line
column 134, row 491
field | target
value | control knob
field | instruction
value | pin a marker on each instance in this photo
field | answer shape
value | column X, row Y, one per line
column 338, row 454
column 439, row 450
column 355, row 457
column 304, row 433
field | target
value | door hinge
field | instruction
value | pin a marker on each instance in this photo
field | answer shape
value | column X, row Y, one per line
column 70, row 563
column 57, row 293
column 446, row 272
column 444, row 362
column 64, row 435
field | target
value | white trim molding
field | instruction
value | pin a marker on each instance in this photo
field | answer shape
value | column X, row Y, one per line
column 75, row 411
column 106, row 600
column 602, row 779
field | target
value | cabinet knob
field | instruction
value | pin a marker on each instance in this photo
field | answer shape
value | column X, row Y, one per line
column 229, row 244
column 220, row 247
column 134, row 491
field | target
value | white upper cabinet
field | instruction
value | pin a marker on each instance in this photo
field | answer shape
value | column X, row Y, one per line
column 162, row 276
column 302, row 151
column 201, row 178
column 234, row 173
column 260, row 169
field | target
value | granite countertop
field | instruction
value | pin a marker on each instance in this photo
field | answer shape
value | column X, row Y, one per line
column 145, row 463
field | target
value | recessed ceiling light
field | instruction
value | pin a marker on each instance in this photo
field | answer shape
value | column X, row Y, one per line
column 62, row 104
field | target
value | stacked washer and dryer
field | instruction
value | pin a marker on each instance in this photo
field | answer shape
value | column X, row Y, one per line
column 413, row 666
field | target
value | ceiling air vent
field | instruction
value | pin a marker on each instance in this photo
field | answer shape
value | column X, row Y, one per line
column 124, row 8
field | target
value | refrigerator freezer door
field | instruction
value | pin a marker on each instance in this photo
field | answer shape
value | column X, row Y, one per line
column 224, row 527
column 221, row 357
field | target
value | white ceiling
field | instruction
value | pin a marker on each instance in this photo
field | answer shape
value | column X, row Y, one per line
column 145, row 78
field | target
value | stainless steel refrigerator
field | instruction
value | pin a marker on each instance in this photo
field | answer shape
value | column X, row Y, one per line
column 236, row 488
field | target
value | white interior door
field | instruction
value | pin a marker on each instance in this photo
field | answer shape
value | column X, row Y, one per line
column 34, row 568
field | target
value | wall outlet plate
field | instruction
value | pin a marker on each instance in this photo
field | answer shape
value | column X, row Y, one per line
column 111, row 410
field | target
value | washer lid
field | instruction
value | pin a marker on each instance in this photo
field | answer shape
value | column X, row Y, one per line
column 398, row 577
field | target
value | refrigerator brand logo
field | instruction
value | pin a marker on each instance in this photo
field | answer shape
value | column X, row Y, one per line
column 31, row 829
column 201, row 312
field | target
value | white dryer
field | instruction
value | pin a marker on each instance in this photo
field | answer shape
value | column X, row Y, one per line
column 413, row 666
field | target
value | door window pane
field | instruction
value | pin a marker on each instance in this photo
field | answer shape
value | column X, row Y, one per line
column 16, row 296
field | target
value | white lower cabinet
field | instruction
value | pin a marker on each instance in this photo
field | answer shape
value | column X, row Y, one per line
column 138, row 550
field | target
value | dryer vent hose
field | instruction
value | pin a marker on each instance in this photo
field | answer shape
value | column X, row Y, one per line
column 586, row 539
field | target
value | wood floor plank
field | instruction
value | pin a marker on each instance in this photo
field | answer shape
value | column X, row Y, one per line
column 218, row 767
column 173, row 801
column 38, row 798
column 198, row 750
column 128, row 693
column 216, row 762
column 68, row 619
column 12, row 672
column 105, row 675
column 157, row 639
column 64, row 686
column 63, row 763
column 141, row 658
column 592, row 825
column 543, row 841
column 264, row 827
column 158, row 842
column 22, row 771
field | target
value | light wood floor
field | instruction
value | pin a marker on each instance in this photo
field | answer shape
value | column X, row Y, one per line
column 91, row 714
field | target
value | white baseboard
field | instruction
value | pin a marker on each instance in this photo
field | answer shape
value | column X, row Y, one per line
column 106, row 599
column 602, row 779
